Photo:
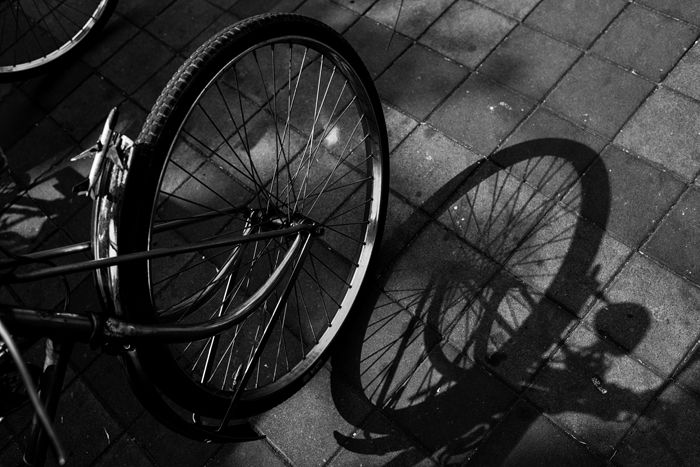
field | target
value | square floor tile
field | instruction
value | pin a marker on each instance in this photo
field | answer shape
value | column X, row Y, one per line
column 666, row 434
column 529, row 62
column 631, row 195
column 333, row 15
column 419, row 80
column 688, row 10
column 183, row 21
column 140, row 12
column 684, row 76
column 467, row 32
column 593, row 390
column 528, row 438
column 665, row 130
column 49, row 89
column 598, row 95
column 115, row 34
column 413, row 17
column 676, row 243
column 425, row 162
column 136, row 62
column 248, row 453
column 651, row 312
column 375, row 44
column 576, row 21
column 481, row 113
column 516, row 8
column 398, row 126
column 246, row 8
column 18, row 116
column 645, row 41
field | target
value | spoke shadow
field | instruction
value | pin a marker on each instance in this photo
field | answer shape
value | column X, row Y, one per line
column 475, row 320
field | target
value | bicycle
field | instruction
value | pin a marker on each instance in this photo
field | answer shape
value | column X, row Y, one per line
column 36, row 35
column 231, row 239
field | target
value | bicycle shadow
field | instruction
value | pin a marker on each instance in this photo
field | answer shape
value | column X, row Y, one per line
column 474, row 320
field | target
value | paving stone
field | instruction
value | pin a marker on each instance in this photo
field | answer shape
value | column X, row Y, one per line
column 141, row 13
column 165, row 447
column 29, row 159
column 335, row 16
column 467, row 32
column 124, row 453
column 586, row 91
column 48, row 90
column 136, row 62
column 481, row 113
column 510, row 328
column 688, row 10
column 667, row 433
column 645, row 41
column 375, row 44
column 576, row 21
column 379, row 442
column 183, row 21
column 593, row 390
column 682, row 77
column 398, row 126
column 568, row 258
column 359, row 6
column 403, row 222
column 244, row 8
column 18, row 116
column 309, row 418
column 526, row 437
column 248, row 453
column 147, row 94
column 516, row 8
column 413, row 17
column 551, row 154
column 665, row 131
column 676, row 242
column 425, row 163
column 86, row 107
column 223, row 20
column 635, row 194
column 432, row 406
column 419, row 80
column 529, row 62
column 111, row 38
column 651, row 312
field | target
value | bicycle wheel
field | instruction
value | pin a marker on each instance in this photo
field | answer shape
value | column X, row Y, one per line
column 36, row 33
column 273, row 121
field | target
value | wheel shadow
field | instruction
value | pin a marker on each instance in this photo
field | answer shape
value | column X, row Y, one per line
column 492, row 289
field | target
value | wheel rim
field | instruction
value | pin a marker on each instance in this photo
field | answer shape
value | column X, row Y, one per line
column 38, row 32
column 262, row 147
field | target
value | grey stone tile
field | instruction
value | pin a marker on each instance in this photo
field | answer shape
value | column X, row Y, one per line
column 335, row 16
column 359, row 6
column 249, row 453
column 245, row 8
column 467, row 32
column 666, row 433
column 375, row 44
column 30, row 159
column 481, row 113
column 223, row 20
column 516, row 8
column 147, row 94
column 309, row 418
column 651, row 312
column 18, row 116
column 683, row 77
column 413, row 18
column 419, row 80
column 645, row 41
column 403, row 222
column 136, row 62
column 576, row 21
column 398, row 126
column 424, row 163
column 432, row 405
column 529, row 62
column 141, row 13
column 379, row 442
column 631, row 195
column 665, row 130
column 526, row 437
column 124, row 452
column 115, row 34
column 511, row 328
column 688, row 10
column 676, row 243
column 49, row 89
column 587, row 91
column 593, row 390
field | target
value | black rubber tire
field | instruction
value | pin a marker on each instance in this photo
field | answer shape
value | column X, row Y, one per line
column 32, row 67
column 133, row 299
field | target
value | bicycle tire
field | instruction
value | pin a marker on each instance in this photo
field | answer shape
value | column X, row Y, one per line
column 37, row 35
column 175, row 167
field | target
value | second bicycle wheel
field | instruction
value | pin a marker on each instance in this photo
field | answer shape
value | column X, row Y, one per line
column 273, row 122
column 36, row 33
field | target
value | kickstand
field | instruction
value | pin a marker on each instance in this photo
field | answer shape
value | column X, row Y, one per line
column 50, row 386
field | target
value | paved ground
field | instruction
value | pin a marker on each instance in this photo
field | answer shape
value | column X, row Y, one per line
column 540, row 287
